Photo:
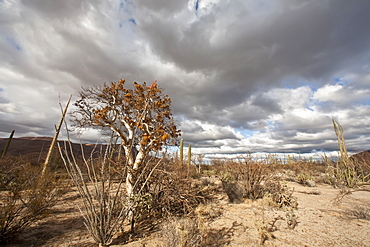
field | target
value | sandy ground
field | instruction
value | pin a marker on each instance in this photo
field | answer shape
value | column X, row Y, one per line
column 322, row 222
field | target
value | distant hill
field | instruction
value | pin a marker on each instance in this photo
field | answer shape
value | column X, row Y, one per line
column 363, row 156
column 36, row 148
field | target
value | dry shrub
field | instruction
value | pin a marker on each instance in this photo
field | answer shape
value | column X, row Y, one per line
column 266, row 228
column 182, row 232
column 359, row 213
column 279, row 195
column 101, row 185
column 206, row 213
column 291, row 219
column 349, row 172
column 195, row 231
column 244, row 178
column 300, row 167
column 169, row 193
column 305, row 179
column 26, row 196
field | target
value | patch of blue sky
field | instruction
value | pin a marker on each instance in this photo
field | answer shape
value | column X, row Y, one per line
column 341, row 81
column 312, row 102
column 132, row 20
column 126, row 9
column 126, row 6
column 14, row 44
column 272, row 125
column 245, row 132
column 196, row 5
column 310, row 109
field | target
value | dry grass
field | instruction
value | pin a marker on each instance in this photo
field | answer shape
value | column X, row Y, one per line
column 349, row 172
column 26, row 196
column 182, row 208
column 360, row 213
column 243, row 178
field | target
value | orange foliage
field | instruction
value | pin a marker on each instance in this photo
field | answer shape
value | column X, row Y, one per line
column 142, row 110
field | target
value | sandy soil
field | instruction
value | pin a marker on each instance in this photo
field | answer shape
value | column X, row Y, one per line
column 322, row 222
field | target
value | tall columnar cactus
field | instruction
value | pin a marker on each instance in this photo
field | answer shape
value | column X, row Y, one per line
column 181, row 151
column 3, row 153
column 189, row 155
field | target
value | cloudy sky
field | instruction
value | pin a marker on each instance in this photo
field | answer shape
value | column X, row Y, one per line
column 244, row 75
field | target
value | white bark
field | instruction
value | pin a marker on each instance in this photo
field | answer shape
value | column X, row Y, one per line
column 139, row 158
column 128, row 154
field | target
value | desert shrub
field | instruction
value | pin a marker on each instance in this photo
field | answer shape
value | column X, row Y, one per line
column 279, row 195
column 195, row 230
column 299, row 166
column 346, row 172
column 305, row 179
column 25, row 195
column 266, row 228
column 101, row 184
column 359, row 213
column 208, row 170
column 182, row 232
column 244, row 178
column 172, row 193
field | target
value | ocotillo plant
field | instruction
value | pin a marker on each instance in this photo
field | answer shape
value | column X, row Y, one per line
column 53, row 142
column 3, row 153
column 181, row 151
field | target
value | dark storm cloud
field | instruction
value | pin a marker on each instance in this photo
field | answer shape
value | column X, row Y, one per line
column 251, row 54
column 243, row 75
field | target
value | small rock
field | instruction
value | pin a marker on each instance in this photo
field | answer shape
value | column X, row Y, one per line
column 310, row 183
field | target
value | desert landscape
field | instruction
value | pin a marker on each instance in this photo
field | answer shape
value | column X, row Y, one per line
column 295, row 205
column 184, row 123
column 322, row 221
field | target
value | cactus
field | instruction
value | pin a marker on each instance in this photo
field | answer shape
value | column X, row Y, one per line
column 189, row 155
column 181, row 151
column 53, row 142
column 289, row 160
column 3, row 153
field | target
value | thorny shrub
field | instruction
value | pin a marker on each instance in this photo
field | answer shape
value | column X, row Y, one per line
column 279, row 195
column 170, row 193
column 194, row 230
column 182, row 232
column 359, row 213
column 247, row 178
column 305, row 179
column 25, row 195
column 244, row 178
column 304, row 166
column 348, row 172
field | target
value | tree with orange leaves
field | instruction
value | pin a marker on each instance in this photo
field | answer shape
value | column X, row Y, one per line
column 141, row 118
